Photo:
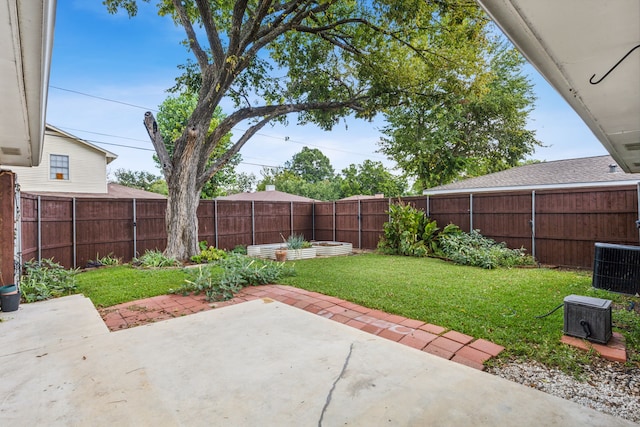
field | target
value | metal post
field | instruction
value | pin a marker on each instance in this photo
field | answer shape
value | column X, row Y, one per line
column 291, row 216
column 313, row 221
column 39, row 229
column 470, row 212
column 215, row 220
column 428, row 207
column 533, row 223
column 253, row 222
column 135, row 230
column 75, row 252
column 359, row 225
column 334, row 221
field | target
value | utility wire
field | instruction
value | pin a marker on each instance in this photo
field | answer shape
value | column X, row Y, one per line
column 287, row 139
column 103, row 99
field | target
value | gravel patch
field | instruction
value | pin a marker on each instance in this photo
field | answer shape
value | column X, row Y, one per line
column 608, row 387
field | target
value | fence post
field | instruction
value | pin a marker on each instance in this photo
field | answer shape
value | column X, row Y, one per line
column 291, row 216
column 533, row 223
column 334, row 221
column 359, row 225
column 638, row 197
column 253, row 222
column 39, row 229
column 313, row 221
column 135, row 229
column 215, row 220
column 75, row 243
column 470, row 212
column 428, row 207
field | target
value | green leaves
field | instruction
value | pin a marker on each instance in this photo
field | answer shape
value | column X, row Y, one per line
column 46, row 279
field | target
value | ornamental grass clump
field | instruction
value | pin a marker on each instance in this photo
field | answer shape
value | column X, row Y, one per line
column 154, row 258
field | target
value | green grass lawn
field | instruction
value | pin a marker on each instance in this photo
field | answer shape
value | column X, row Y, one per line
column 498, row 305
column 114, row 285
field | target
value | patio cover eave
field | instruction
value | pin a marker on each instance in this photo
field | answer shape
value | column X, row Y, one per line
column 574, row 43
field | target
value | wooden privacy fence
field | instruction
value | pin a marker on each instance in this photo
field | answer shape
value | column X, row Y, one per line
column 558, row 227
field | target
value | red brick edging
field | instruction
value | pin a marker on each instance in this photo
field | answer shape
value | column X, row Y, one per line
column 423, row 336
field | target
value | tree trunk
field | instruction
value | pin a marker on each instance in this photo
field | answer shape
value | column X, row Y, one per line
column 182, row 219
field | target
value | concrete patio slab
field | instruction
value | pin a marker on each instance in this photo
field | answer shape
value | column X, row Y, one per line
column 259, row 363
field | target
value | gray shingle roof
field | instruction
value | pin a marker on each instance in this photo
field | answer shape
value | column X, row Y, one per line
column 583, row 172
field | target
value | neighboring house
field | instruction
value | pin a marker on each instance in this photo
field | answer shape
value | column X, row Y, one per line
column 600, row 171
column 69, row 165
column 270, row 195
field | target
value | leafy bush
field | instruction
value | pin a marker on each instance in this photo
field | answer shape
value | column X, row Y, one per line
column 231, row 274
column 409, row 232
column 209, row 254
column 104, row 261
column 154, row 258
column 239, row 249
column 479, row 251
column 46, row 279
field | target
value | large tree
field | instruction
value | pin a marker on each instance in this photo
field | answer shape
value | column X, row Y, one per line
column 371, row 178
column 173, row 115
column 311, row 165
column 321, row 59
column 468, row 131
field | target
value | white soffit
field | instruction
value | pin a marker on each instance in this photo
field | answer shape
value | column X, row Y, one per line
column 573, row 44
column 26, row 39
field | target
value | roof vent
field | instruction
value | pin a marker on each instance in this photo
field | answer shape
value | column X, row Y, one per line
column 612, row 168
column 270, row 187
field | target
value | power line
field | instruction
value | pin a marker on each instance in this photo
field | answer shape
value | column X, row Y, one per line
column 287, row 139
column 103, row 99
column 152, row 150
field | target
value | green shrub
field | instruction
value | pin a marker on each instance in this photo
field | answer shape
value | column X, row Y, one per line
column 46, row 279
column 107, row 260
column 240, row 249
column 408, row 232
column 476, row 250
column 154, row 258
column 230, row 274
column 209, row 254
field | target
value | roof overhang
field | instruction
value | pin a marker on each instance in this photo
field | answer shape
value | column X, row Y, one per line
column 573, row 44
column 540, row 187
column 26, row 40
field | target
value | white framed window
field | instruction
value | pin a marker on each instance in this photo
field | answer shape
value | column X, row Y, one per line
column 59, row 167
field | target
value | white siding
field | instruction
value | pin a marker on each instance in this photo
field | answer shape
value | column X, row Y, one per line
column 87, row 168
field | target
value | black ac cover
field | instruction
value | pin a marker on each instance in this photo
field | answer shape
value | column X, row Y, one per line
column 617, row 268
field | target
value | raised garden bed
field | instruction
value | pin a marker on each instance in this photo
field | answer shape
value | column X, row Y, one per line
column 317, row 249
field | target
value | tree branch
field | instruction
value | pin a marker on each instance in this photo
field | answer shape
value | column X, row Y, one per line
column 217, row 51
column 201, row 55
column 156, row 139
column 221, row 161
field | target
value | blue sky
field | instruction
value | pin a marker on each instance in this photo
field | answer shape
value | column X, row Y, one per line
column 134, row 61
